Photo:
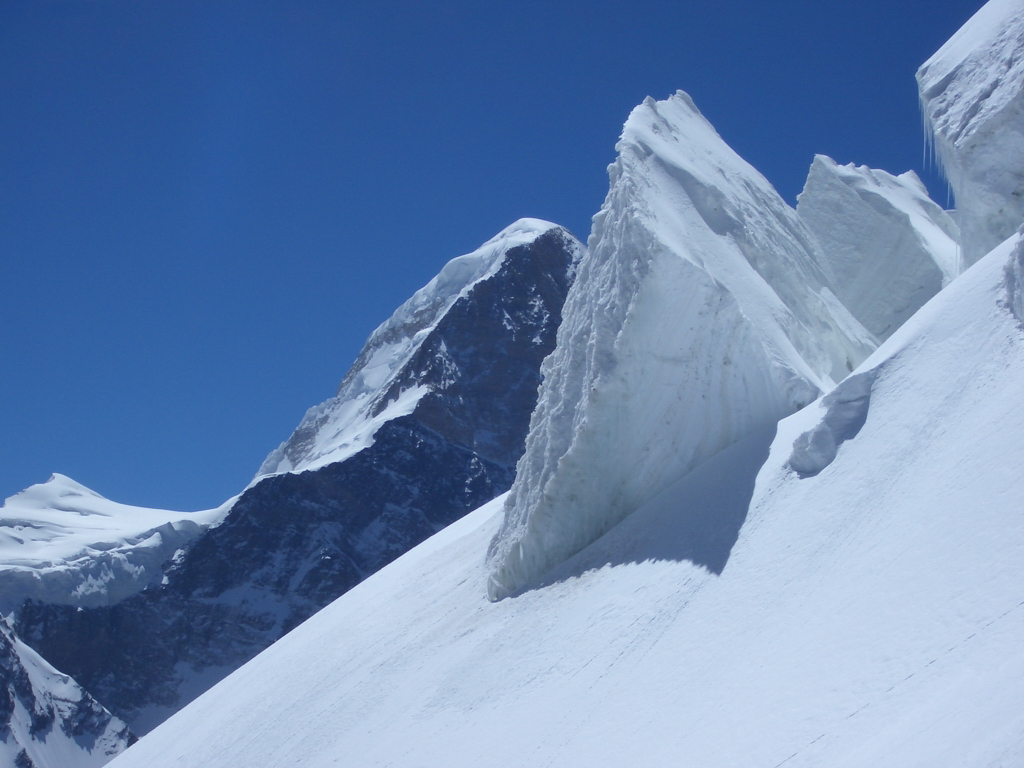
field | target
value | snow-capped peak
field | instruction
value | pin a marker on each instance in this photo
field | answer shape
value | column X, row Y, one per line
column 346, row 423
column 61, row 542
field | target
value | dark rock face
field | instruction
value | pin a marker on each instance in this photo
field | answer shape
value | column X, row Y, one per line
column 62, row 711
column 292, row 543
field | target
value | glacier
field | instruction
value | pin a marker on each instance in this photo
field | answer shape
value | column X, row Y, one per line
column 972, row 97
column 867, row 615
column 889, row 247
column 701, row 313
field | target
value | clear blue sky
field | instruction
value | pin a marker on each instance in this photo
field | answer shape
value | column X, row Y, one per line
column 206, row 207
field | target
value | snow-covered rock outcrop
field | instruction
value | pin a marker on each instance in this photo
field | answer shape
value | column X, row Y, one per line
column 699, row 315
column 427, row 426
column 374, row 391
column 889, row 247
column 61, row 542
column 46, row 719
column 972, row 96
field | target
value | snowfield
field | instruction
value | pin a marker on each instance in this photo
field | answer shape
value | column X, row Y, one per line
column 868, row 615
column 63, row 543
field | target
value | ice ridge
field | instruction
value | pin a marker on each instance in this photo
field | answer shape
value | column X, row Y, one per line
column 889, row 247
column 700, row 314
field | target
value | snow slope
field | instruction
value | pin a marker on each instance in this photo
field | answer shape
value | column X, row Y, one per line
column 345, row 424
column 699, row 315
column 972, row 96
column 63, row 543
column 425, row 437
column 46, row 719
column 889, row 247
column 870, row 614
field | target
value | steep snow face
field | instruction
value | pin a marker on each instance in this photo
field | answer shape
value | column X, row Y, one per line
column 888, row 246
column 366, row 399
column 296, row 540
column 63, row 543
column 870, row 614
column 46, row 719
column 972, row 96
column 699, row 315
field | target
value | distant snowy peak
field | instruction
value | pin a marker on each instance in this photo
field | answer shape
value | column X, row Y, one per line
column 888, row 247
column 699, row 315
column 63, row 543
column 366, row 399
column 972, row 95
column 46, row 718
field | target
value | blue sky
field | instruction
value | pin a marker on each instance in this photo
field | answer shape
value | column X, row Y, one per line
column 206, row 207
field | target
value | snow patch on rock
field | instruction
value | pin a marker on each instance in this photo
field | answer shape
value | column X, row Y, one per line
column 46, row 718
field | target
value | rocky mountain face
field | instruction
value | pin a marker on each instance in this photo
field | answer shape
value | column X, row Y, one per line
column 437, row 431
column 46, row 719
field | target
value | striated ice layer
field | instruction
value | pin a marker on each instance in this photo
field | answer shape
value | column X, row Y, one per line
column 972, row 96
column 699, row 315
column 345, row 424
column 63, row 543
column 889, row 247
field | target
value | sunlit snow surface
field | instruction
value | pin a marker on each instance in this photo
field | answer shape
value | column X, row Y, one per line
column 887, row 245
column 63, row 543
column 972, row 96
column 345, row 424
column 869, row 615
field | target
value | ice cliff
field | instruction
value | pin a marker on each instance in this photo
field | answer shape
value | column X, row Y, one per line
column 700, row 314
column 972, row 96
column 889, row 247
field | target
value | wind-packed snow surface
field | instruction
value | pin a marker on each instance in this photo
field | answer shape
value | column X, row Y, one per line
column 700, row 315
column 63, row 543
column 889, row 247
column 46, row 719
column 972, row 96
column 869, row 614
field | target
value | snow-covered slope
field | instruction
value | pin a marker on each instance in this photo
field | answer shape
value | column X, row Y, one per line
column 427, row 426
column 63, row 543
column 889, row 247
column 972, row 96
column 699, row 315
column 869, row 614
column 46, row 719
